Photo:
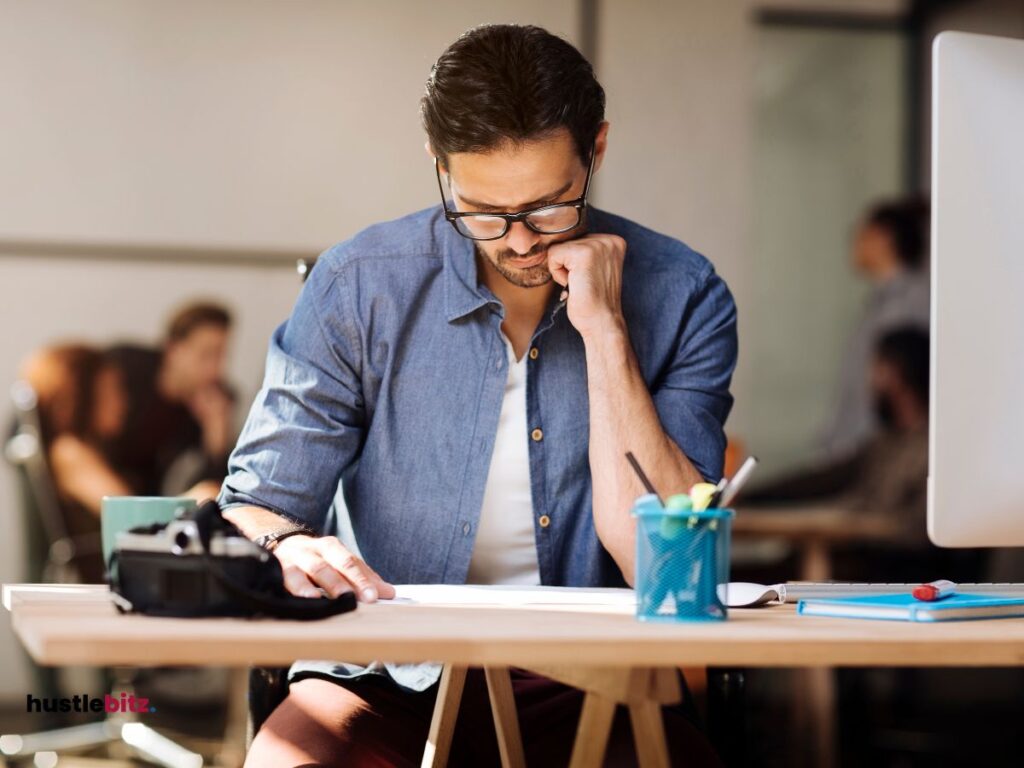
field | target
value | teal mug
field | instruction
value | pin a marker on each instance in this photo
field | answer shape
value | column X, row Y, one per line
column 121, row 513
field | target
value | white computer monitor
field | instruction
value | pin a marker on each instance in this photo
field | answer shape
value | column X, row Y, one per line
column 976, row 475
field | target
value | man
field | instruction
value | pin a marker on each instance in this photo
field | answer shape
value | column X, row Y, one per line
column 178, row 430
column 473, row 374
column 889, row 473
column 890, row 250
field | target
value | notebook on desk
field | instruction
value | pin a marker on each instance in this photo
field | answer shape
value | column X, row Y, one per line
column 905, row 607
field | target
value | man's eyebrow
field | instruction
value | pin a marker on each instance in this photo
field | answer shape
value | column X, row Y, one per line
column 478, row 206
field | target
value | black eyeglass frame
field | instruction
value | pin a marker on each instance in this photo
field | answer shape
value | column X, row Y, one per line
column 580, row 204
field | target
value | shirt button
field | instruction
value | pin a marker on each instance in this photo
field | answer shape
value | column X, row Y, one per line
column 533, row 353
column 466, row 528
column 544, row 521
column 537, row 435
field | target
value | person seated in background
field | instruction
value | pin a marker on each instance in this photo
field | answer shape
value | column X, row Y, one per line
column 178, row 430
column 889, row 474
column 81, row 404
column 82, row 407
column 890, row 250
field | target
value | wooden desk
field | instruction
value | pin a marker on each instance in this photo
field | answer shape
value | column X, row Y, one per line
column 82, row 627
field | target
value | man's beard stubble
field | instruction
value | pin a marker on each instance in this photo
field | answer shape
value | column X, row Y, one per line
column 530, row 277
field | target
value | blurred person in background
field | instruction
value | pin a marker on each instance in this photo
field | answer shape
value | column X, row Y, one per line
column 889, row 473
column 179, row 426
column 82, row 405
column 890, row 250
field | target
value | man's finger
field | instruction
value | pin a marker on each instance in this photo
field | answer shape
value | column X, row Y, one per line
column 296, row 582
column 351, row 567
column 556, row 265
column 319, row 570
column 385, row 590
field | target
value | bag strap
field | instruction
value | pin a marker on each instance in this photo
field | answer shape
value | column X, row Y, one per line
column 208, row 518
column 283, row 607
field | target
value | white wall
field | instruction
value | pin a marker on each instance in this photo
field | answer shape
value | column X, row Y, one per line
column 678, row 78
column 240, row 122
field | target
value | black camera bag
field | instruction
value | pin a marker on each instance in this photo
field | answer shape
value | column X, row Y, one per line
column 168, row 584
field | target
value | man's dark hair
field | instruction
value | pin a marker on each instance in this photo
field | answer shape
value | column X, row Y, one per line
column 505, row 83
column 193, row 316
column 907, row 349
column 906, row 222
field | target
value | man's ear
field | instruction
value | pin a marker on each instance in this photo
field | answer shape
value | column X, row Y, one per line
column 600, row 144
column 432, row 155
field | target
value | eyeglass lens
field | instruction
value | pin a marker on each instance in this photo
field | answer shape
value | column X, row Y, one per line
column 547, row 220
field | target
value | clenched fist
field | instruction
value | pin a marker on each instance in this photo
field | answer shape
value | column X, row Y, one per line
column 590, row 267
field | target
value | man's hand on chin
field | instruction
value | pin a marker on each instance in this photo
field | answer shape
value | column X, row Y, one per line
column 590, row 267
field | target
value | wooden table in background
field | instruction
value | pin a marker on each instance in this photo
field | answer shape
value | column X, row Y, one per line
column 815, row 530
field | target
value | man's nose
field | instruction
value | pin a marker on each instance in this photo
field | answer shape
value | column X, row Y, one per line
column 520, row 238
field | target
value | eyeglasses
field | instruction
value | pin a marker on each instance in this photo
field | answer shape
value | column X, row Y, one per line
column 546, row 220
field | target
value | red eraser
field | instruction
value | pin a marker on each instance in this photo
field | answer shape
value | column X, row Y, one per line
column 925, row 592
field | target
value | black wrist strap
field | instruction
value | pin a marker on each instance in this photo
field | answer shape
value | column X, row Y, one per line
column 268, row 540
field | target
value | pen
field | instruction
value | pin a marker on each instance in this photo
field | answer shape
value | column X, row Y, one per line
column 935, row 590
column 643, row 476
column 713, row 499
column 728, row 492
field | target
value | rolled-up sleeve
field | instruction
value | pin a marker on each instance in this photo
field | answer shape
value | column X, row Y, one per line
column 307, row 423
column 692, row 398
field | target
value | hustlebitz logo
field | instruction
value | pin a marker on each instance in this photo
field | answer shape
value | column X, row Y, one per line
column 85, row 703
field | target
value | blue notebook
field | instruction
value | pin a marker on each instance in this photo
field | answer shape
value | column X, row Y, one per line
column 903, row 607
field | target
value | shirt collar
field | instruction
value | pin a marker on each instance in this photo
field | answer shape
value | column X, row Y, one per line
column 462, row 294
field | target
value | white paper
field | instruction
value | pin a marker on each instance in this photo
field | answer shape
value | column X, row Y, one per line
column 566, row 598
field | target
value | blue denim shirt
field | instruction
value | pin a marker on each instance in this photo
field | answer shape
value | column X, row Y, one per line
column 389, row 377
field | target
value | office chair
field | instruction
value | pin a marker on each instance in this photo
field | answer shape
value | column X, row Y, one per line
column 303, row 267
column 44, row 518
column 43, row 515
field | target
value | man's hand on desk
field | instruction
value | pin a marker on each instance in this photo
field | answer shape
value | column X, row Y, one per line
column 310, row 562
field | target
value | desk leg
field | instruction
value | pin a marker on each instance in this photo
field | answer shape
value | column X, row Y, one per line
column 643, row 689
column 592, row 732
column 649, row 734
column 506, row 719
column 816, row 561
column 233, row 746
column 822, row 699
column 820, row 682
column 446, row 711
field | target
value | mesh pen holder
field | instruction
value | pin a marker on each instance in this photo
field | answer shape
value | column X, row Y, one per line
column 682, row 562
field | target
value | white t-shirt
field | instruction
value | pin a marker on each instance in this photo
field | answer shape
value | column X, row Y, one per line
column 505, row 549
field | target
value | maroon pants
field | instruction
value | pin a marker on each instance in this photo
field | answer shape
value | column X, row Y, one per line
column 370, row 722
